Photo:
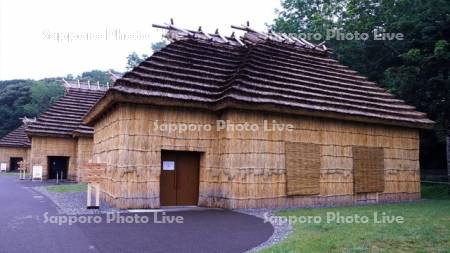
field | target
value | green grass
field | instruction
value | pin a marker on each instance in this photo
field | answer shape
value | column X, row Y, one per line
column 434, row 191
column 67, row 188
column 426, row 228
column 9, row 174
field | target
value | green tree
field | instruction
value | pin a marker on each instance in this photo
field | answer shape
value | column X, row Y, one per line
column 415, row 68
column 309, row 16
column 14, row 95
column 19, row 98
column 158, row 45
column 42, row 96
column 134, row 59
column 96, row 76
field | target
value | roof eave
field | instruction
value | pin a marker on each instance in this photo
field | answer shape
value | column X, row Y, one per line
column 113, row 97
column 102, row 105
column 14, row 146
column 42, row 134
column 78, row 134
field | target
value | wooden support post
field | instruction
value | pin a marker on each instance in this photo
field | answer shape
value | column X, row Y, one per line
column 97, row 195
column 96, row 187
column 22, row 170
column 22, row 175
column 89, row 195
column 92, row 174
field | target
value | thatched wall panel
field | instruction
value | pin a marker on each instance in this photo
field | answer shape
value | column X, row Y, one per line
column 368, row 169
column 302, row 168
column 7, row 152
column 43, row 147
column 242, row 168
column 83, row 153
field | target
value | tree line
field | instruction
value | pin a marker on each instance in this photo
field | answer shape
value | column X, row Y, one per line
column 415, row 68
column 30, row 98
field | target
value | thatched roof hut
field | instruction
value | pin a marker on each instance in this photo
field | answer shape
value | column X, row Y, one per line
column 61, row 142
column 15, row 147
column 320, row 133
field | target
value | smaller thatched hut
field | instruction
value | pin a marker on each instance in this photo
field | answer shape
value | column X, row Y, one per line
column 15, row 147
column 60, row 141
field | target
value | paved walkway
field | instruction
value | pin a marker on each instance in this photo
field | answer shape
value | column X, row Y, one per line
column 22, row 228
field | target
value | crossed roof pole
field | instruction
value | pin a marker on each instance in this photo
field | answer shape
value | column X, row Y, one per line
column 252, row 36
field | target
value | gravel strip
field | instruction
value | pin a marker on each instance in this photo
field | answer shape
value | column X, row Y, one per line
column 280, row 233
column 73, row 203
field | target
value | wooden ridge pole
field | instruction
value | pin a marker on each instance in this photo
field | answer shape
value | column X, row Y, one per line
column 192, row 33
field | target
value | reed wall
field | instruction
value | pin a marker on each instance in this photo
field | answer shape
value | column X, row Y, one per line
column 43, row 147
column 83, row 153
column 245, row 169
column 128, row 143
column 7, row 152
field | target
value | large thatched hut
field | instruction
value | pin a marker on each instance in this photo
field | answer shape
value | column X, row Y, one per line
column 262, row 120
column 60, row 141
column 15, row 147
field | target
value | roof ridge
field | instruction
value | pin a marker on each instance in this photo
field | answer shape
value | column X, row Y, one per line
column 251, row 36
column 85, row 85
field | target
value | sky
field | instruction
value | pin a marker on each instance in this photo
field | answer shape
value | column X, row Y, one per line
column 49, row 38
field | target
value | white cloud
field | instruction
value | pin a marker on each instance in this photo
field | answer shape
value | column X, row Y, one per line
column 26, row 51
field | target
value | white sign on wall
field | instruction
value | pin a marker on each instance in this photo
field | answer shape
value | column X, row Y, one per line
column 3, row 167
column 37, row 172
column 168, row 165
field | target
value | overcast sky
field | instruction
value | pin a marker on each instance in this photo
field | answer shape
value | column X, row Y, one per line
column 29, row 30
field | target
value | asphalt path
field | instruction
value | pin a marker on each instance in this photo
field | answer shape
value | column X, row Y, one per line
column 30, row 222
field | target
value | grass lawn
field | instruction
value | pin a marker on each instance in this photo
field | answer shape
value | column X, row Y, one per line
column 67, row 188
column 426, row 228
column 9, row 174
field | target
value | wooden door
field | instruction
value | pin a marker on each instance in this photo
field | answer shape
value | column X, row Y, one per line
column 187, row 178
column 168, row 187
column 179, row 178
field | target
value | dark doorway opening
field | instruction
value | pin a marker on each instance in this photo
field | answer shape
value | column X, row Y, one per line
column 14, row 163
column 58, row 166
column 179, row 181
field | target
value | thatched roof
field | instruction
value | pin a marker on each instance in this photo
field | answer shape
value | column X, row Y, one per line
column 257, row 72
column 64, row 117
column 16, row 139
